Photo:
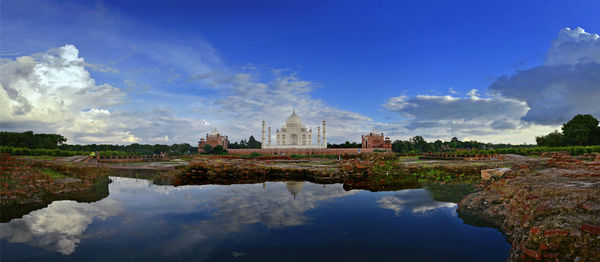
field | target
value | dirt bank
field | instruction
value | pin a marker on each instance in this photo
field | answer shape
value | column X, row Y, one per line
column 28, row 184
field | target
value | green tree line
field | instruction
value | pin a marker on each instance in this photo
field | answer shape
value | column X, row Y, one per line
column 243, row 144
column 418, row 144
column 137, row 149
column 30, row 140
column 347, row 144
column 24, row 142
column 582, row 130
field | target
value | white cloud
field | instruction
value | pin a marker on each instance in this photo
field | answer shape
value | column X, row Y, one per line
column 161, row 139
column 460, row 110
column 494, row 119
column 568, row 83
column 473, row 94
column 53, row 92
column 529, row 103
column 574, row 47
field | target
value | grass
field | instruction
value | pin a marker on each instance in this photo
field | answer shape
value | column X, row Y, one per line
column 41, row 157
column 131, row 163
column 408, row 157
column 477, row 164
column 53, row 174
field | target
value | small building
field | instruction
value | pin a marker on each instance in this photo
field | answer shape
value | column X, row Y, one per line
column 373, row 140
column 213, row 139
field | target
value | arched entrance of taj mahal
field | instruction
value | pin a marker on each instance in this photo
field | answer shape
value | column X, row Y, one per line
column 294, row 139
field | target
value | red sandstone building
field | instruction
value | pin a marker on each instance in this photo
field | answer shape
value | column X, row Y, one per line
column 213, row 139
column 376, row 141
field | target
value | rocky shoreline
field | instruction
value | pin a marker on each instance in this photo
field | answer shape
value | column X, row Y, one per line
column 548, row 212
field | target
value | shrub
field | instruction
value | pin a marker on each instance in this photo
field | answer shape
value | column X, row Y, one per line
column 254, row 155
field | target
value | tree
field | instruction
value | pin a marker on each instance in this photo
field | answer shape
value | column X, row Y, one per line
column 30, row 140
column 418, row 143
column 207, row 148
column 581, row 130
column 454, row 143
column 181, row 148
column 437, row 145
column 252, row 143
column 346, row 144
column 217, row 150
column 553, row 139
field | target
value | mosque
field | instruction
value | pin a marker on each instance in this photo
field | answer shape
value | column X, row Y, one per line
column 213, row 139
column 294, row 135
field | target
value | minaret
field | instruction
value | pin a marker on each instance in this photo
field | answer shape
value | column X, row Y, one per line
column 318, row 135
column 324, row 135
column 263, row 133
column 269, row 136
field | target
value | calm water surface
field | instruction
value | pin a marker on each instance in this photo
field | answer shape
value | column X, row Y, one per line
column 278, row 221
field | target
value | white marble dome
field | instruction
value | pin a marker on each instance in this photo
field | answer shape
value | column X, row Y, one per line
column 293, row 120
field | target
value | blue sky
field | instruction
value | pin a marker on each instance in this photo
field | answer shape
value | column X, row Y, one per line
column 168, row 72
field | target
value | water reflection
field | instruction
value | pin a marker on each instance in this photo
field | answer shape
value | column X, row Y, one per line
column 58, row 227
column 256, row 222
column 61, row 225
column 417, row 201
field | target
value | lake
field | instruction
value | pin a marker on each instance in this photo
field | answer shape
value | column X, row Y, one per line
column 273, row 221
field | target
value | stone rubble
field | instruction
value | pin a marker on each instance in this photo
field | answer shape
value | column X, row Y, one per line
column 495, row 173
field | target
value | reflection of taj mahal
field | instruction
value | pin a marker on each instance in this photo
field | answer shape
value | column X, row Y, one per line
column 294, row 187
column 294, row 135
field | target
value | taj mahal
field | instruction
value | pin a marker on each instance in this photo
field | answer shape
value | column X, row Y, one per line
column 294, row 135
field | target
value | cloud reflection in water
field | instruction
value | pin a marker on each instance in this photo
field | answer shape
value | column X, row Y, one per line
column 60, row 226
column 418, row 201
